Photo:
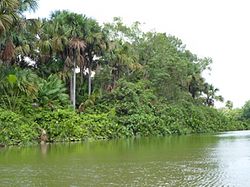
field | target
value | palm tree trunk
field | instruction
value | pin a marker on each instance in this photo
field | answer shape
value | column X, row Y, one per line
column 71, row 88
column 73, row 85
column 89, row 81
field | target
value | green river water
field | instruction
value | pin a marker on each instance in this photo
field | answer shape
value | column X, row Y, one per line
column 196, row 160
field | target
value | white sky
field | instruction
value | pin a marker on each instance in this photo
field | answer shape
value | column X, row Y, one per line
column 210, row 28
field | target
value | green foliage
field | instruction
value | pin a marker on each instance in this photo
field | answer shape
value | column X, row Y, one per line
column 51, row 93
column 144, row 125
column 17, row 87
column 103, row 126
column 188, row 118
column 61, row 125
column 246, row 110
column 229, row 105
column 235, row 118
column 66, row 125
column 138, row 110
column 145, row 84
column 21, row 89
column 211, row 96
column 16, row 129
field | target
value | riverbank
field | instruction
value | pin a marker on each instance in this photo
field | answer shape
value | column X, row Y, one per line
column 66, row 125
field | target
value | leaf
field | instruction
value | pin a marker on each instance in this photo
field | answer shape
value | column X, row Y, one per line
column 12, row 79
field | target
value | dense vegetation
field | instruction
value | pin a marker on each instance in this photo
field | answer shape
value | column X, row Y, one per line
column 79, row 80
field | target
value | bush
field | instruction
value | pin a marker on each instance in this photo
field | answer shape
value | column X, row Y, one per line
column 16, row 129
column 144, row 125
column 103, row 126
column 125, row 112
column 246, row 110
column 67, row 125
column 62, row 125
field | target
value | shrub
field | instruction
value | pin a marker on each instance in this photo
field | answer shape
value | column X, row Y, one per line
column 62, row 125
column 16, row 129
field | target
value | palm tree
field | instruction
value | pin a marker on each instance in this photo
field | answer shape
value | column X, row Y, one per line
column 95, row 44
column 27, row 5
column 195, row 84
column 53, row 40
column 16, row 84
column 60, row 37
column 90, row 38
column 74, row 39
column 13, row 28
column 121, row 60
column 8, row 14
column 77, row 48
column 211, row 96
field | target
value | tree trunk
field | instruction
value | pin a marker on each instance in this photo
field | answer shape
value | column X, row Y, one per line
column 73, row 85
column 90, row 57
column 89, row 81
column 71, row 88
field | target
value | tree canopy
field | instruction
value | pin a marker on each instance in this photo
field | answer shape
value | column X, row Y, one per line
column 139, row 82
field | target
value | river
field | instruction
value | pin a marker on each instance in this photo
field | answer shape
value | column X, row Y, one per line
column 195, row 160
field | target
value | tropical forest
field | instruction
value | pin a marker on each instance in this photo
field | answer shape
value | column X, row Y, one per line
column 68, row 78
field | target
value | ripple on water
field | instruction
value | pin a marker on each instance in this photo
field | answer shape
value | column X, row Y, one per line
column 222, row 161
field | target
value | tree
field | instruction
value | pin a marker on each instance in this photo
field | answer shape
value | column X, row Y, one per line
column 27, row 5
column 13, row 27
column 229, row 104
column 165, row 66
column 121, row 57
column 60, row 38
column 195, row 81
column 8, row 14
column 246, row 110
column 122, row 61
column 17, row 87
column 76, row 46
column 195, row 85
column 96, row 43
column 77, row 41
column 210, row 93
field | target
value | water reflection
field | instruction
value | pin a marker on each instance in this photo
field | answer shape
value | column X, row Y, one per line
column 197, row 160
column 44, row 149
column 233, row 157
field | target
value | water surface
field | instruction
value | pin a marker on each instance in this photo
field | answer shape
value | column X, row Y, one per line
column 195, row 160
